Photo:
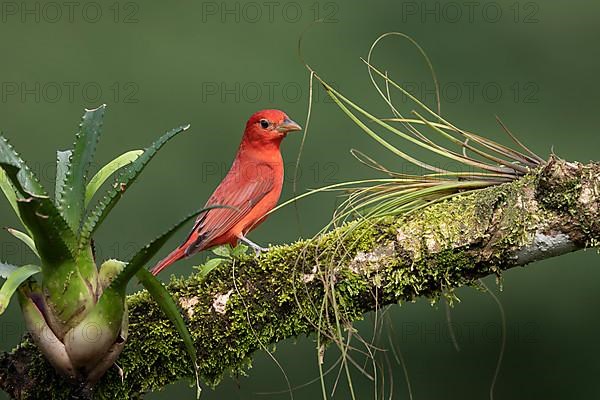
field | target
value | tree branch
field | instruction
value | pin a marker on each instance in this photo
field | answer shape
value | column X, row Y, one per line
column 250, row 303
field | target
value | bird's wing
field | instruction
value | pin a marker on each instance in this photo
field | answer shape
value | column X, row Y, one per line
column 239, row 199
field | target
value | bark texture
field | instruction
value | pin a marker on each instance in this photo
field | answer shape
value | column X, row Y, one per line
column 248, row 303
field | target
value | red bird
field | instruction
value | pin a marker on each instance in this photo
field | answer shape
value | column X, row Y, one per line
column 250, row 189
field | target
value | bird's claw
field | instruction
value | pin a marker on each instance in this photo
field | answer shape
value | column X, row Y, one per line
column 120, row 372
column 257, row 249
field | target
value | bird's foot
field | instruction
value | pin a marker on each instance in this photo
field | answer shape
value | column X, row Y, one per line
column 257, row 249
column 120, row 372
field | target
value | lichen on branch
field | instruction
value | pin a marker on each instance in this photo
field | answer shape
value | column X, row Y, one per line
column 248, row 304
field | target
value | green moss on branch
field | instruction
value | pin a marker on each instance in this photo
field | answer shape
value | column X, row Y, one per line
column 252, row 303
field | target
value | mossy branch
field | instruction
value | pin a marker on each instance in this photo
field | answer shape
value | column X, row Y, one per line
column 251, row 303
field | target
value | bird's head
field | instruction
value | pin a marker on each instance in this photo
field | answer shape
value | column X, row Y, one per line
column 269, row 126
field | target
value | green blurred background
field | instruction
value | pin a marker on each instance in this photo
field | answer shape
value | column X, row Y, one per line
column 212, row 64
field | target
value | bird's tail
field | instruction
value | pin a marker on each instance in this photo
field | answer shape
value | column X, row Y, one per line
column 175, row 255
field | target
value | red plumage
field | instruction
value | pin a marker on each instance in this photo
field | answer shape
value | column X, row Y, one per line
column 250, row 189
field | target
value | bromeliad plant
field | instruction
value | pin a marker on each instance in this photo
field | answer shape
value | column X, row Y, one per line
column 75, row 310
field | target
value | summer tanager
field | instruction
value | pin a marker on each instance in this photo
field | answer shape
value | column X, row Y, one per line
column 248, row 192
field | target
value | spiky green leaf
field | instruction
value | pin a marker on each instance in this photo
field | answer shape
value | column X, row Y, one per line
column 124, row 180
column 166, row 303
column 26, row 178
column 25, row 238
column 53, row 238
column 105, row 172
column 72, row 199
column 63, row 159
column 15, row 279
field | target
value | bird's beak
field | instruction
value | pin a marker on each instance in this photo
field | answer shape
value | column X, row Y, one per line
column 288, row 126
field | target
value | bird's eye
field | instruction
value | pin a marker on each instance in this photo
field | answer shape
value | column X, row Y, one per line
column 264, row 123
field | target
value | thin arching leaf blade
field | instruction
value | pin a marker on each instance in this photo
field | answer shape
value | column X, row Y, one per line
column 124, row 180
column 15, row 279
column 25, row 238
column 144, row 255
column 9, row 191
column 166, row 303
column 86, row 140
column 107, row 171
